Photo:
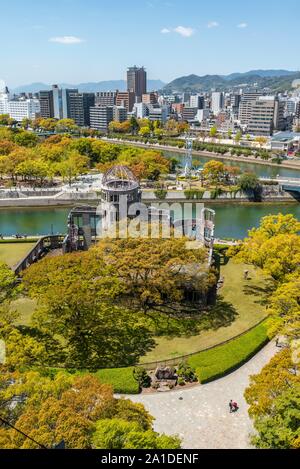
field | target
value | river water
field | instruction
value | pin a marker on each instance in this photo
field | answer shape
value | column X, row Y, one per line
column 261, row 170
column 232, row 220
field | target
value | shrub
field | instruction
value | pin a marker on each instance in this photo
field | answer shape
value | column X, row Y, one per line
column 194, row 194
column 142, row 377
column 215, row 193
column 219, row 361
column 186, row 372
column 181, row 382
column 160, row 194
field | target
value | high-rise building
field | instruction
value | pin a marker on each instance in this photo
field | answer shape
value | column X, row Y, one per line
column 267, row 115
column 137, row 81
column 298, row 111
column 46, row 104
column 79, row 105
column 125, row 99
column 197, row 101
column 217, row 102
column 101, row 117
column 57, row 102
column 120, row 113
column 66, row 106
column 105, row 98
column 247, row 99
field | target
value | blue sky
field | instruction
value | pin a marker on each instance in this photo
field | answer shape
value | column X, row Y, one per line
column 92, row 40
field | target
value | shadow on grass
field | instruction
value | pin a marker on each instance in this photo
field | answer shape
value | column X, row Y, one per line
column 222, row 314
column 262, row 293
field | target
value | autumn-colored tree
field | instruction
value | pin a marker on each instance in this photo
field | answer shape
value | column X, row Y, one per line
column 214, row 171
column 273, row 397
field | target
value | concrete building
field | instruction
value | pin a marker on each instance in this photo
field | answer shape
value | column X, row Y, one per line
column 267, row 115
column 189, row 114
column 137, row 81
column 197, row 101
column 245, row 109
column 158, row 113
column 20, row 109
column 79, row 105
column 217, row 102
column 106, row 98
column 125, row 99
column 101, row 117
column 141, row 110
column 57, row 102
column 202, row 115
column 46, row 104
column 120, row 114
column 150, row 98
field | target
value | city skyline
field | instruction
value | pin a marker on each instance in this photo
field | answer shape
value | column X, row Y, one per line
column 74, row 41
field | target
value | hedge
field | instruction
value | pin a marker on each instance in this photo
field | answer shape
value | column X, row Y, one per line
column 221, row 360
column 121, row 379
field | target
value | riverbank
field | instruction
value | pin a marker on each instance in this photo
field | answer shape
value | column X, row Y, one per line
column 207, row 154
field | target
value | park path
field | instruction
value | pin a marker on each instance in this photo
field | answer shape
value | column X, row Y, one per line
column 200, row 415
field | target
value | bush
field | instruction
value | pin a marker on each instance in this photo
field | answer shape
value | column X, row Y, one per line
column 215, row 193
column 186, row 372
column 142, row 377
column 219, row 361
column 160, row 194
column 122, row 380
column 194, row 194
column 181, row 382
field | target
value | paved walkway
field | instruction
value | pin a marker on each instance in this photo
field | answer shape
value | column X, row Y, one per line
column 202, row 417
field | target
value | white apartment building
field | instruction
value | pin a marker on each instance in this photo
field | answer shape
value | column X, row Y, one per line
column 217, row 102
column 19, row 109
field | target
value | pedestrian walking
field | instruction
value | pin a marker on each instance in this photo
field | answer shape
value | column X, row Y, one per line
column 230, row 406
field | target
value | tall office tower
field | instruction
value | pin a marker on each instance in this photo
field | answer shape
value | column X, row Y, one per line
column 46, row 104
column 106, row 98
column 217, row 102
column 267, row 115
column 101, row 117
column 247, row 99
column 66, row 93
column 197, row 101
column 298, row 111
column 137, row 81
column 79, row 105
column 57, row 102
column 125, row 99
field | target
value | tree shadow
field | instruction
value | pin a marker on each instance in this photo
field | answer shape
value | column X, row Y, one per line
column 262, row 293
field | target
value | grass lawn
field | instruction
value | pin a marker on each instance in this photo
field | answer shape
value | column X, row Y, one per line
column 215, row 363
column 12, row 253
column 241, row 302
column 121, row 379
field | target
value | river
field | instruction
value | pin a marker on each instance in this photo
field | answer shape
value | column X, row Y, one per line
column 261, row 170
column 232, row 220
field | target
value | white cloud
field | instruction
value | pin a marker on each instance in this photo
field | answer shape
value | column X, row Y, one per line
column 184, row 31
column 66, row 40
column 213, row 24
column 242, row 25
column 165, row 31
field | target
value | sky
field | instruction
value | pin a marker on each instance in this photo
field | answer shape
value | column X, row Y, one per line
column 75, row 41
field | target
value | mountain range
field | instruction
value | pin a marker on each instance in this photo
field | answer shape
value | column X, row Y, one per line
column 276, row 80
column 111, row 85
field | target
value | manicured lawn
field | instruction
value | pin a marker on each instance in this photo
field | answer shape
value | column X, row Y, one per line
column 12, row 253
column 215, row 363
column 121, row 379
column 240, row 306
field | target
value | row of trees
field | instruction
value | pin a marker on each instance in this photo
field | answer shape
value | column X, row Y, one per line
column 24, row 157
column 274, row 394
